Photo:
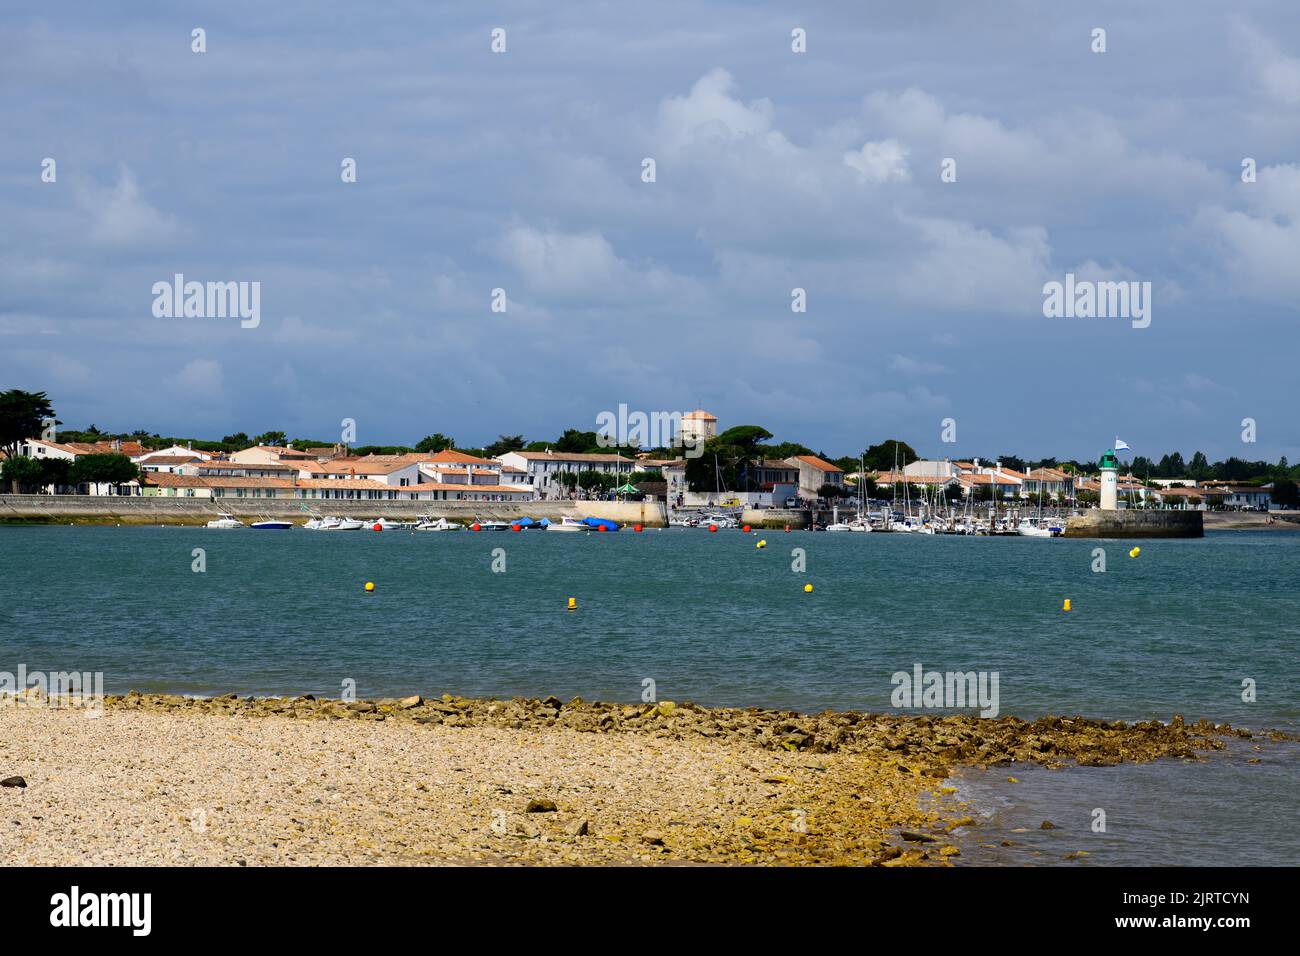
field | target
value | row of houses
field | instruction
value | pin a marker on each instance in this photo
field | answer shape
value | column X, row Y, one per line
column 1057, row 485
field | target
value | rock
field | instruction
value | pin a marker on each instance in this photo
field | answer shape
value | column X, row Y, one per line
column 553, row 702
column 578, row 828
column 913, row 837
column 1047, row 825
column 653, row 838
column 541, row 805
column 949, row 850
column 13, row 782
column 666, row 708
column 406, row 703
column 362, row 707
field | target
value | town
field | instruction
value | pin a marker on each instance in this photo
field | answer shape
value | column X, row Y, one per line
column 733, row 468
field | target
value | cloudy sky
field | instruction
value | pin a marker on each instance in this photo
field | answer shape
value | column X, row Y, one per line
column 774, row 170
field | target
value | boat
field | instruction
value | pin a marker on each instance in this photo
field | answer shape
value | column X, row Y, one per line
column 270, row 524
column 224, row 520
column 327, row 523
column 568, row 523
column 429, row 523
column 346, row 524
column 595, row 524
column 388, row 524
column 1030, row 528
column 491, row 525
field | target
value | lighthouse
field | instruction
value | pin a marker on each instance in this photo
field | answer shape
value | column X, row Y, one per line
column 1109, row 466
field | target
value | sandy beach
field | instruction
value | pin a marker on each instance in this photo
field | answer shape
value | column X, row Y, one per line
column 162, row 780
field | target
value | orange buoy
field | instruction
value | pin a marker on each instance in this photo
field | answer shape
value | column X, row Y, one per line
column 713, row 527
column 514, row 527
column 601, row 527
column 377, row 526
column 745, row 529
column 475, row 527
column 636, row 528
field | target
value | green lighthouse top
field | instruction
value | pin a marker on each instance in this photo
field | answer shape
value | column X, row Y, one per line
column 1109, row 460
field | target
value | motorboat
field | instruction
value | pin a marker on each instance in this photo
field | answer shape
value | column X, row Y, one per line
column 388, row 524
column 270, row 524
column 346, row 524
column 1031, row 529
column 327, row 523
column 429, row 523
column 568, row 523
column 224, row 520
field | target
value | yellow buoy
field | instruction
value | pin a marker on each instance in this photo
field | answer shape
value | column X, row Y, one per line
column 370, row 586
column 761, row 544
column 1135, row 552
column 808, row 588
column 573, row 604
column 1066, row 605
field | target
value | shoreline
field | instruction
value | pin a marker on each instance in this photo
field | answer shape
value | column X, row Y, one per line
column 399, row 781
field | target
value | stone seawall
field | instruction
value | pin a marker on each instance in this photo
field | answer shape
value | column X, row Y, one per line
column 776, row 518
column 1135, row 524
column 91, row 509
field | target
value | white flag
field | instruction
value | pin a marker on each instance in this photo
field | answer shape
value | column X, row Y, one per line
column 1121, row 445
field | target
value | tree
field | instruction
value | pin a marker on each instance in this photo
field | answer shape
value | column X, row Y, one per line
column 1198, row 469
column 503, row 444
column 270, row 438
column 22, row 473
column 574, row 442
column 435, row 443
column 54, row 472
column 236, row 441
column 1286, row 493
column 882, row 457
column 23, row 415
column 829, row 491
column 115, row 470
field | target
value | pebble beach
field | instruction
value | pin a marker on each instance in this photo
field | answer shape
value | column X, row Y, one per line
column 232, row 781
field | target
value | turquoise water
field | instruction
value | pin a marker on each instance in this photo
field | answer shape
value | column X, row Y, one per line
column 708, row 617
column 711, row 618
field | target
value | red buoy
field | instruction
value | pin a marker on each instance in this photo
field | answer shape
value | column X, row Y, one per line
column 787, row 528
column 713, row 527
column 745, row 529
column 377, row 526
column 475, row 527
column 636, row 528
column 514, row 527
column 601, row 527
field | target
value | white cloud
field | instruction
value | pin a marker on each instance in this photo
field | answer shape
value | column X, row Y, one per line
column 710, row 112
column 882, row 162
column 121, row 216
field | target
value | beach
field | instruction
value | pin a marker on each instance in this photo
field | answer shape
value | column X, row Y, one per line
column 230, row 781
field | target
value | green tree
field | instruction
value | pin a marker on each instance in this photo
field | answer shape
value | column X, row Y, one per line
column 503, row 444
column 1286, row 493
column 1198, row 468
column 435, row 443
column 882, row 457
column 54, row 472
column 109, row 469
column 22, row 473
column 575, row 442
column 829, row 491
column 270, row 438
column 236, row 441
column 23, row 415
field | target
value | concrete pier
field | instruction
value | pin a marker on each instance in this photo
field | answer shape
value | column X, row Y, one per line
column 1135, row 524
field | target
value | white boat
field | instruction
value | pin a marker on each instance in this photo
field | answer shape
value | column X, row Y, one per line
column 721, row 520
column 428, row 523
column 1030, row 529
column 388, row 524
column 327, row 523
column 224, row 520
column 346, row 524
column 270, row 524
column 569, row 523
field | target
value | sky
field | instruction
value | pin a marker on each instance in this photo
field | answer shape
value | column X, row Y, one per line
column 774, row 170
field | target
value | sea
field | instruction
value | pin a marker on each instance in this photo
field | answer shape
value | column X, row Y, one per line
column 1205, row 628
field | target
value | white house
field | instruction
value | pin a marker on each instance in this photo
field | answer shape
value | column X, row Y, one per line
column 541, row 469
column 815, row 472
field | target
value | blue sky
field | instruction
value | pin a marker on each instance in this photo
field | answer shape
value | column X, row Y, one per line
column 774, row 170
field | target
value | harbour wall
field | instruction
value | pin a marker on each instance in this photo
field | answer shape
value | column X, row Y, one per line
column 776, row 518
column 1096, row 523
column 95, row 509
